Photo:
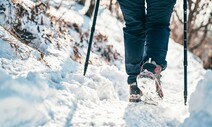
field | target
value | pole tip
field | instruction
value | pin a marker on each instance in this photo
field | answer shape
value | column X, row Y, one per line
column 84, row 72
column 185, row 100
column 85, row 68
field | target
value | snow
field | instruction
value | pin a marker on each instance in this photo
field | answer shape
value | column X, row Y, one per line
column 54, row 92
column 200, row 104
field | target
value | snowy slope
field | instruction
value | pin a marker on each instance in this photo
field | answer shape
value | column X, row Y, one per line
column 52, row 92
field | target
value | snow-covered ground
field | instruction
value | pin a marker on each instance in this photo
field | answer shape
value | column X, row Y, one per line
column 200, row 104
column 52, row 92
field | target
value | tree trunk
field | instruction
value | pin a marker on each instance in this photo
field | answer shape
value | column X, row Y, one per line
column 91, row 8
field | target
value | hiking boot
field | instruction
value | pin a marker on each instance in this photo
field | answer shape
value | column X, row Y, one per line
column 135, row 93
column 150, row 68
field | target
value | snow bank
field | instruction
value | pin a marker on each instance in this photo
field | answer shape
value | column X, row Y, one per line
column 200, row 104
column 20, row 100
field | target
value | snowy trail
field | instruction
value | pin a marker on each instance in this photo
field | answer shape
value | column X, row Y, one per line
column 171, row 112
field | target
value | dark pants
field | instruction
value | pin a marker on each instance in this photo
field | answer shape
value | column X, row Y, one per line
column 146, row 33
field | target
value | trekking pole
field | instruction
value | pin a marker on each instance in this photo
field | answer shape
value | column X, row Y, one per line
column 91, row 36
column 185, row 51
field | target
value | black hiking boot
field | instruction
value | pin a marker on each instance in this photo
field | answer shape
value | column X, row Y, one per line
column 135, row 93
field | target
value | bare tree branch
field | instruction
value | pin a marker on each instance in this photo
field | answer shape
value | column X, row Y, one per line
column 201, row 41
column 199, row 27
column 110, row 5
column 178, row 17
